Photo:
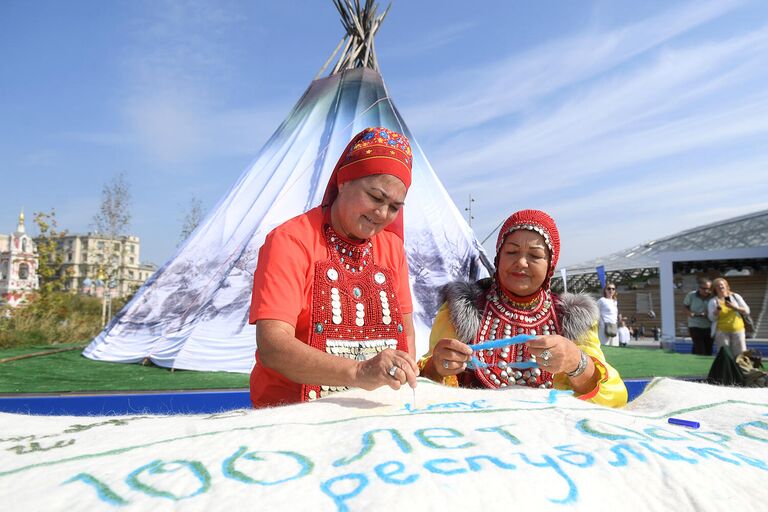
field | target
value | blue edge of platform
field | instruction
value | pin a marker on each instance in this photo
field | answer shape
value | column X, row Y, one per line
column 185, row 402
column 197, row 402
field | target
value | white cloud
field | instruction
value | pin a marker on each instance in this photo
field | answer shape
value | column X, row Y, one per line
column 689, row 191
column 624, row 136
column 511, row 85
column 170, row 130
column 175, row 73
column 428, row 41
column 41, row 158
column 653, row 205
column 653, row 103
column 604, row 153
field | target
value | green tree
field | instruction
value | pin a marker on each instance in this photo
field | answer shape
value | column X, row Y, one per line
column 50, row 257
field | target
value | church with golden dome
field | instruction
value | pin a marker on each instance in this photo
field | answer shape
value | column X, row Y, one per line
column 18, row 266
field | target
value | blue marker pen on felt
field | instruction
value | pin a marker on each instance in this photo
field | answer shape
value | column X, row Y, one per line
column 683, row 423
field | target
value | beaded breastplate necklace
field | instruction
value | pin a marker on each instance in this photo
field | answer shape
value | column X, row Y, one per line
column 503, row 318
column 355, row 311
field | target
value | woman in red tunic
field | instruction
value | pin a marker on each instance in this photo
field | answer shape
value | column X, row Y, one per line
column 331, row 300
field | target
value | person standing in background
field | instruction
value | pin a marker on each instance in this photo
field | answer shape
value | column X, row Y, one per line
column 624, row 334
column 609, row 316
column 726, row 310
column 699, row 325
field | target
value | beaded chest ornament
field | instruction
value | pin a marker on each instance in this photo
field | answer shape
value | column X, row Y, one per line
column 355, row 311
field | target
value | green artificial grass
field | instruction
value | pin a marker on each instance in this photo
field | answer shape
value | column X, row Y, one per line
column 640, row 363
column 71, row 372
column 66, row 372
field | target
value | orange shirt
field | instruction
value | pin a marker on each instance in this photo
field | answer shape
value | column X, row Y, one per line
column 282, row 290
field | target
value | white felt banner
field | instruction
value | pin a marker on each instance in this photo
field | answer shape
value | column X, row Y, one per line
column 522, row 449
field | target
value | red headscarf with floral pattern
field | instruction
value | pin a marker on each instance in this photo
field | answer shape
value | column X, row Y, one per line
column 373, row 151
column 539, row 222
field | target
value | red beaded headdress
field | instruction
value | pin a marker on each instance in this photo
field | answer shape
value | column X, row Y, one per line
column 539, row 222
column 373, row 151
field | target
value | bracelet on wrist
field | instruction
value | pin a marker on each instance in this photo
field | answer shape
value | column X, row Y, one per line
column 583, row 360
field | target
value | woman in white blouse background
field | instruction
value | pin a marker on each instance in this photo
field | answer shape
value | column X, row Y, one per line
column 609, row 316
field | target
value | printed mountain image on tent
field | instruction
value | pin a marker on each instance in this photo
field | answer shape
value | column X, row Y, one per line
column 193, row 312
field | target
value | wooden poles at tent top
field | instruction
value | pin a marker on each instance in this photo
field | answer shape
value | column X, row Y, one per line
column 361, row 24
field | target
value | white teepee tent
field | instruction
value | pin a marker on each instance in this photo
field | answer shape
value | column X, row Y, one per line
column 192, row 313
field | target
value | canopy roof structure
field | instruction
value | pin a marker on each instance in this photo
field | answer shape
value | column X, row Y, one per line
column 193, row 312
column 642, row 260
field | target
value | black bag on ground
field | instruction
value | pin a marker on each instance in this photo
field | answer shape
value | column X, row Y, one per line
column 724, row 370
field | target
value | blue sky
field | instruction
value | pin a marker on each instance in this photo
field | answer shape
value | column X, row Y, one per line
column 625, row 120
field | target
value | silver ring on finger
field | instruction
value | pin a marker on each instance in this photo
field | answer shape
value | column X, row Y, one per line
column 545, row 355
column 392, row 371
column 445, row 363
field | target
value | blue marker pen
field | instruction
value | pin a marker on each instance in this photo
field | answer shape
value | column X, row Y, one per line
column 683, row 423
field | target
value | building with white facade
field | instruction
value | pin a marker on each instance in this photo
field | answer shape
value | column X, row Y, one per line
column 18, row 266
column 92, row 261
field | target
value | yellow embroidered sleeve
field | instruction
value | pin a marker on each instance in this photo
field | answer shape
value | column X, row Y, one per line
column 441, row 328
column 610, row 390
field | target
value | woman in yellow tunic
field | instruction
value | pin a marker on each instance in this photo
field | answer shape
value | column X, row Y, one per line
column 518, row 300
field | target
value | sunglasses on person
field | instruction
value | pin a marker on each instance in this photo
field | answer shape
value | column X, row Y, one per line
column 610, row 288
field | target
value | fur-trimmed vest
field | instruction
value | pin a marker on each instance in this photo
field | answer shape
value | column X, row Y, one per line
column 577, row 313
